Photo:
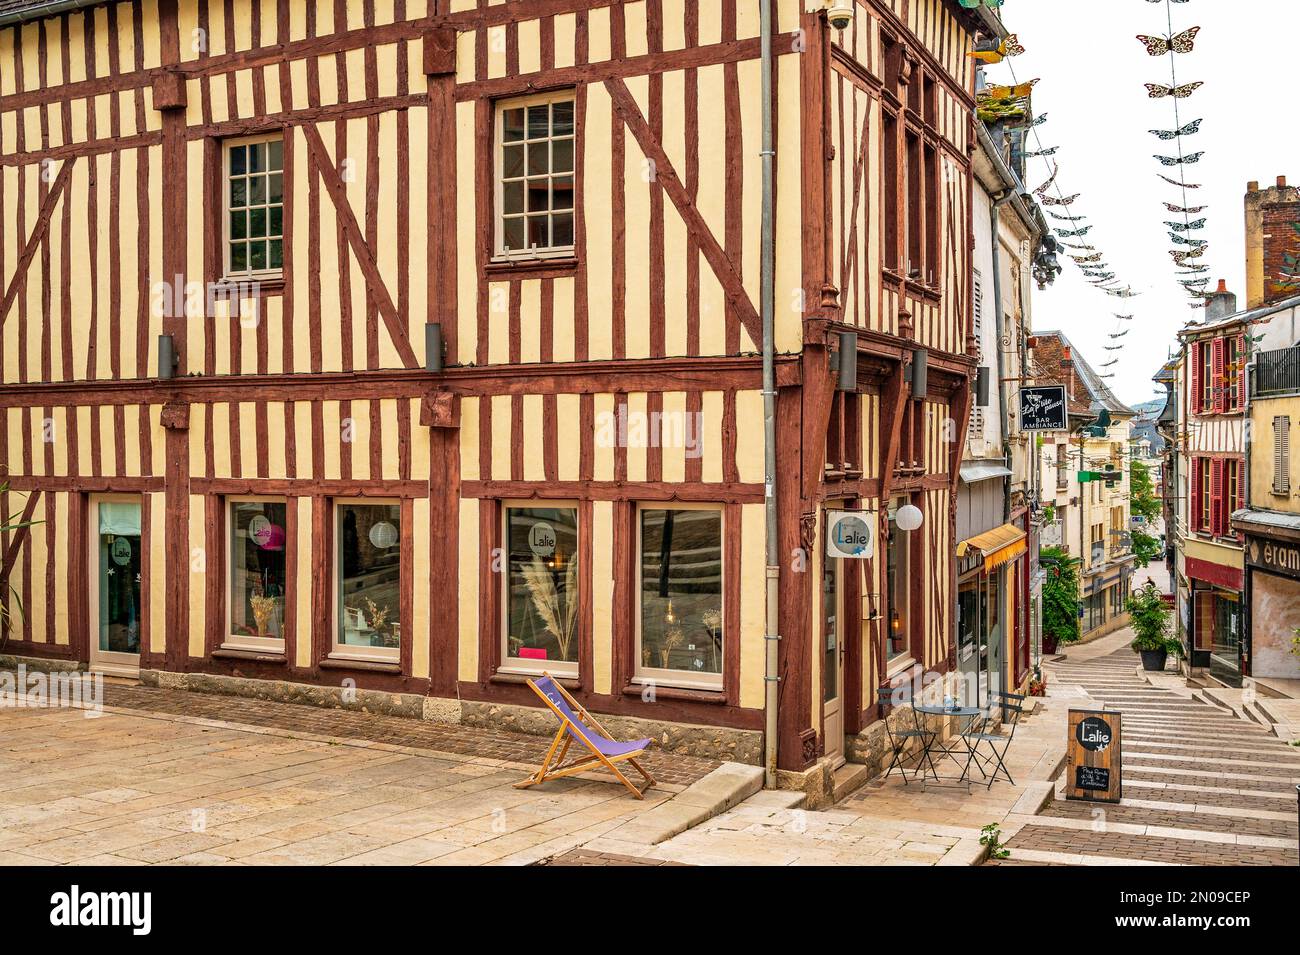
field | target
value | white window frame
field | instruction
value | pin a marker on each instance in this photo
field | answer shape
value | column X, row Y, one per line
column 231, row 640
column 249, row 275
column 344, row 651
column 682, row 679
column 519, row 665
column 906, row 659
column 499, row 252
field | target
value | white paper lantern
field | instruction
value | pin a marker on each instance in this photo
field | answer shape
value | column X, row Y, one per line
column 909, row 517
column 383, row 535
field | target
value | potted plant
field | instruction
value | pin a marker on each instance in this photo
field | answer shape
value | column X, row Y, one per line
column 1149, row 617
column 1060, row 599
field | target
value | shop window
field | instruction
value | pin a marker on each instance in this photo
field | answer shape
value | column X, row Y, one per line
column 536, row 143
column 679, row 636
column 367, row 542
column 542, row 590
column 257, row 575
column 254, row 206
column 898, row 584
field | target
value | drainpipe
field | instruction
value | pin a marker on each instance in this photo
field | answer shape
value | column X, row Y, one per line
column 1003, row 422
column 767, row 308
column 1247, row 576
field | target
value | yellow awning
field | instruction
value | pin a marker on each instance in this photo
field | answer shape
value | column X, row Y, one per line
column 998, row 546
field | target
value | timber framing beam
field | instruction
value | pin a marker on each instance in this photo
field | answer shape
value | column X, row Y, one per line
column 20, row 535
column 356, row 239
column 723, row 268
column 34, row 240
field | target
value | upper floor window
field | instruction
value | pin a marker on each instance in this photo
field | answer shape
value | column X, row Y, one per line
column 254, row 206
column 535, row 146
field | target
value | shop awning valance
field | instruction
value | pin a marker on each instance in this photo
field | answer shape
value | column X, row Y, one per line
column 998, row 546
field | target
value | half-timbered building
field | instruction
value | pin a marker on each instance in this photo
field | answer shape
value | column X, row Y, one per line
column 386, row 352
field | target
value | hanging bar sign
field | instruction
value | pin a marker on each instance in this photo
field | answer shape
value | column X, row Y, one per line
column 1042, row 408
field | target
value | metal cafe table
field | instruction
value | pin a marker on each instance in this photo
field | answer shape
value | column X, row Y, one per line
column 931, row 745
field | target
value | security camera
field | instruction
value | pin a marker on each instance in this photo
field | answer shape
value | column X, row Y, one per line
column 840, row 15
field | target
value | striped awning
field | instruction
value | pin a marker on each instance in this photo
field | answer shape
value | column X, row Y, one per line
column 998, row 546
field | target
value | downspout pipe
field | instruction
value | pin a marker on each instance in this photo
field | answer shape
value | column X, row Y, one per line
column 767, row 311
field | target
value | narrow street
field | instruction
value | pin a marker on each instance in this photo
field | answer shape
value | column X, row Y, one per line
column 1201, row 786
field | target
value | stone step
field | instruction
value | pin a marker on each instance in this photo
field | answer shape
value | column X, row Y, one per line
column 847, row 780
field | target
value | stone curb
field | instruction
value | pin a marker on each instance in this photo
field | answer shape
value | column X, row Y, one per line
column 717, row 792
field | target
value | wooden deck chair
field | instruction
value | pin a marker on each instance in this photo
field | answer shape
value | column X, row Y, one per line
column 577, row 724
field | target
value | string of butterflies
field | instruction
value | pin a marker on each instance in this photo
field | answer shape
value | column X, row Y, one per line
column 997, row 103
column 1188, row 248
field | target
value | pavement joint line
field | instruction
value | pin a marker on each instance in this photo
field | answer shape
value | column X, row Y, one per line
column 1219, row 790
column 1166, row 832
column 1080, row 858
column 1203, row 760
column 1231, row 812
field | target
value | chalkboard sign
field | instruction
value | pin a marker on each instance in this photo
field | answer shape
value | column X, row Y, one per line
column 1093, row 754
column 1042, row 408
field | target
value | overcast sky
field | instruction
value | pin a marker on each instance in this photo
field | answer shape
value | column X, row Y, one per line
column 1092, row 73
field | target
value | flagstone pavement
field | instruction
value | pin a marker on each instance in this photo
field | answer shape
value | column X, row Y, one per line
column 170, row 776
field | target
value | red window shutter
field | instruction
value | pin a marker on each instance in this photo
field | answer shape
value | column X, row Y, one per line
column 1240, row 374
column 1217, row 390
column 1197, row 371
column 1217, row 502
column 1194, row 496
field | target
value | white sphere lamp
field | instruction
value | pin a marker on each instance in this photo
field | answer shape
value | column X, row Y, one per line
column 908, row 517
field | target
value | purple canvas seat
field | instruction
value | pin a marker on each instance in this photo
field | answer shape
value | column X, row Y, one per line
column 578, row 724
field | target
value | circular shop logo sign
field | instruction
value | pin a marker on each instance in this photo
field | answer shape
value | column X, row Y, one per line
column 121, row 551
column 541, row 539
column 1093, row 733
column 851, row 536
column 259, row 528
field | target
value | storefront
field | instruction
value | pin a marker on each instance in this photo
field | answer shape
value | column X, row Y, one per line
column 984, row 563
column 1272, row 601
column 1217, row 620
column 1102, row 601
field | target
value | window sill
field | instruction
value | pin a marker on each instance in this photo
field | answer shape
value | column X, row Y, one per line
column 677, row 693
column 272, row 285
column 539, row 267
column 896, row 667
column 371, row 666
column 520, row 679
column 256, row 656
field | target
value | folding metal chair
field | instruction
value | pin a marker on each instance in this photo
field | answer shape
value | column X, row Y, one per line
column 1010, row 705
column 897, row 740
column 577, row 724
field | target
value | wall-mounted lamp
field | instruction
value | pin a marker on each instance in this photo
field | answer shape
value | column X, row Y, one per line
column 982, row 386
column 847, row 367
column 167, row 360
column 433, row 350
column 920, row 372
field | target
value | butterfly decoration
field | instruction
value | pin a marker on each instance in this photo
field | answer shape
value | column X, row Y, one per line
column 1152, row 1
column 1095, row 257
column 1060, row 200
column 1051, row 151
column 1073, row 233
column 1177, row 160
column 1168, row 134
column 1107, row 364
column 1193, row 268
column 1185, row 226
column 1181, row 185
column 1183, row 240
column 1047, row 185
column 1119, row 334
column 1018, row 91
column 1106, row 376
column 1082, row 246
column 1010, row 46
column 1126, row 292
column 1057, row 215
column 1039, row 120
column 1123, row 318
column 1100, row 278
column 1189, row 210
column 1157, row 90
column 1192, row 283
column 972, row 4
column 1180, row 255
column 1178, row 43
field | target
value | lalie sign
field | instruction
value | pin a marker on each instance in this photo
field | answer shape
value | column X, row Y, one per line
column 1042, row 408
column 850, row 534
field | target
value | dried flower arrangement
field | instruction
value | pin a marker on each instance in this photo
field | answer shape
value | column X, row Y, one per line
column 263, row 609
column 559, row 614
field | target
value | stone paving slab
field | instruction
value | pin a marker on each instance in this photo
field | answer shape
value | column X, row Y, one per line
column 142, row 785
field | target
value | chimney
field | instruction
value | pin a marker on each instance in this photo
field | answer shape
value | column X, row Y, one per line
column 1270, row 236
column 1221, row 303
